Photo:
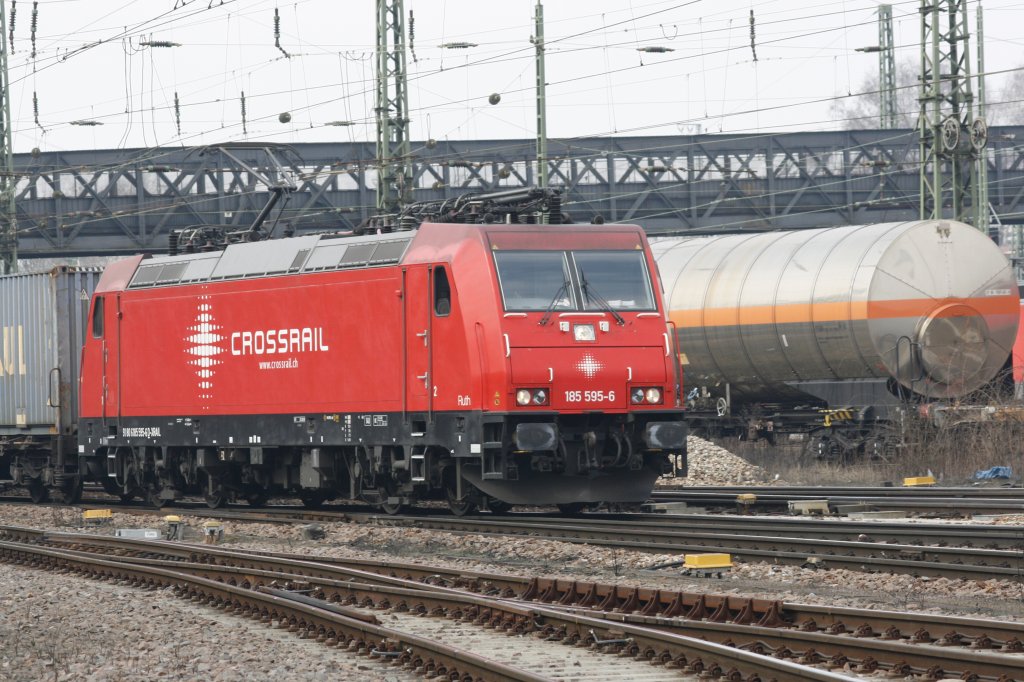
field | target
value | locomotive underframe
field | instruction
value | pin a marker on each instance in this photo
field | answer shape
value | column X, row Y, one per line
column 388, row 459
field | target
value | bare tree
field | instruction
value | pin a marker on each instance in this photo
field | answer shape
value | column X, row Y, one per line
column 1006, row 108
column 1005, row 104
column 863, row 110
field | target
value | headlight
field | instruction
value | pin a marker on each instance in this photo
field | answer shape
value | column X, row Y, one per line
column 531, row 396
column 645, row 395
column 584, row 332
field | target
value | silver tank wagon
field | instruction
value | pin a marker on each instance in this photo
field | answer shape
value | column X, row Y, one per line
column 931, row 305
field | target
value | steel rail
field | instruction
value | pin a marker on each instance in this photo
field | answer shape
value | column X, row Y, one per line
column 830, row 642
column 689, row 654
column 795, row 549
column 1005, row 537
column 948, row 630
column 916, row 534
column 328, row 626
column 950, row 562
column 931, row 501
column 817, row 491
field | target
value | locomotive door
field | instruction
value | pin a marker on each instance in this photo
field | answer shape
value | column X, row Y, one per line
column 112, row 361
column 104, row 352
column 418, row 341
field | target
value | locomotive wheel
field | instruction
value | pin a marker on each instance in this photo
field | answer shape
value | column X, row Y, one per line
column 126, row 497
column 38, row 493
column 571, row 508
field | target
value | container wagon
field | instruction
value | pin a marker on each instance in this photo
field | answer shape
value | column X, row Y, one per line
column 42, row 321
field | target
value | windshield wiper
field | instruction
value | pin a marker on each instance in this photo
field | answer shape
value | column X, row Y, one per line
column 564, row 289
column 590, row 294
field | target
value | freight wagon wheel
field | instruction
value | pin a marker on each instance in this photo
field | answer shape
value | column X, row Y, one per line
column 257, row 499
column 496, row 506
column 392, row 509
column 216, row 499
column 154, row 500
column 70, row 493
column 460, row 507
column 37, row 492
column 312, row 500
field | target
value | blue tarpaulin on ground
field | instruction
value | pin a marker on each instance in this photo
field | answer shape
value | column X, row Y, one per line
column 994, row 472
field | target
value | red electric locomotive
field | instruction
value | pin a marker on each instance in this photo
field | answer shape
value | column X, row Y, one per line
column 485, row 364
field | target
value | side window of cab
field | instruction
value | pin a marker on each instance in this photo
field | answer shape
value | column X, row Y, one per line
column 97, row 318
column 442, row 293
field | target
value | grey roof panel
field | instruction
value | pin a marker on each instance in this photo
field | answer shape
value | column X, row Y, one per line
column 261, row 258
column 273, row 257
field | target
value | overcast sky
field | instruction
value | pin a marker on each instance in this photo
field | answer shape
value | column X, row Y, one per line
column 91, row 64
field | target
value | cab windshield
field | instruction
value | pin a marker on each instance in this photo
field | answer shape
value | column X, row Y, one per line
column 574, row 280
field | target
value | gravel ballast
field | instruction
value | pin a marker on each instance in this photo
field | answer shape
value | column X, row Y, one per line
column 65, row 628
column 711, row 464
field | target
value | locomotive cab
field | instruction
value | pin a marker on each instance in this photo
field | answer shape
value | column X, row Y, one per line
column 584, row 406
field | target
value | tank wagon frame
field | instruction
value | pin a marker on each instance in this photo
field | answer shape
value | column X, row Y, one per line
column 839, row 336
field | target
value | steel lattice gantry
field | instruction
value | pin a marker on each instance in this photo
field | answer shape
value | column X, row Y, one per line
column 126, row 201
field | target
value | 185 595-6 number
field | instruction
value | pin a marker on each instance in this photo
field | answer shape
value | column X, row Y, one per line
column 589, row 396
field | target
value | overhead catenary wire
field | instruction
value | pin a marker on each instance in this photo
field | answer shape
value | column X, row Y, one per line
column 647, row 127
column 466, row 100
column 633, row 19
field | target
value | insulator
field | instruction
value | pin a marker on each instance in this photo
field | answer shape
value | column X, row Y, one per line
column 412, row 37
column 172, row 244
column 753, row 45
column 555, row 210
column 277, row 33
column 407, row 223
column 244, row 130
column 14, row 15
column 35, row 22
column 177, row 112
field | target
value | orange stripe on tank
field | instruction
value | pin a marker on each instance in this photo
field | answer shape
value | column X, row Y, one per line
column 797, row 313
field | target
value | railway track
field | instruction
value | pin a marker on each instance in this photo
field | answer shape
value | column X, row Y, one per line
column 957, row 551
column 711, row 635
column 815, row 543
column 944, row 502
